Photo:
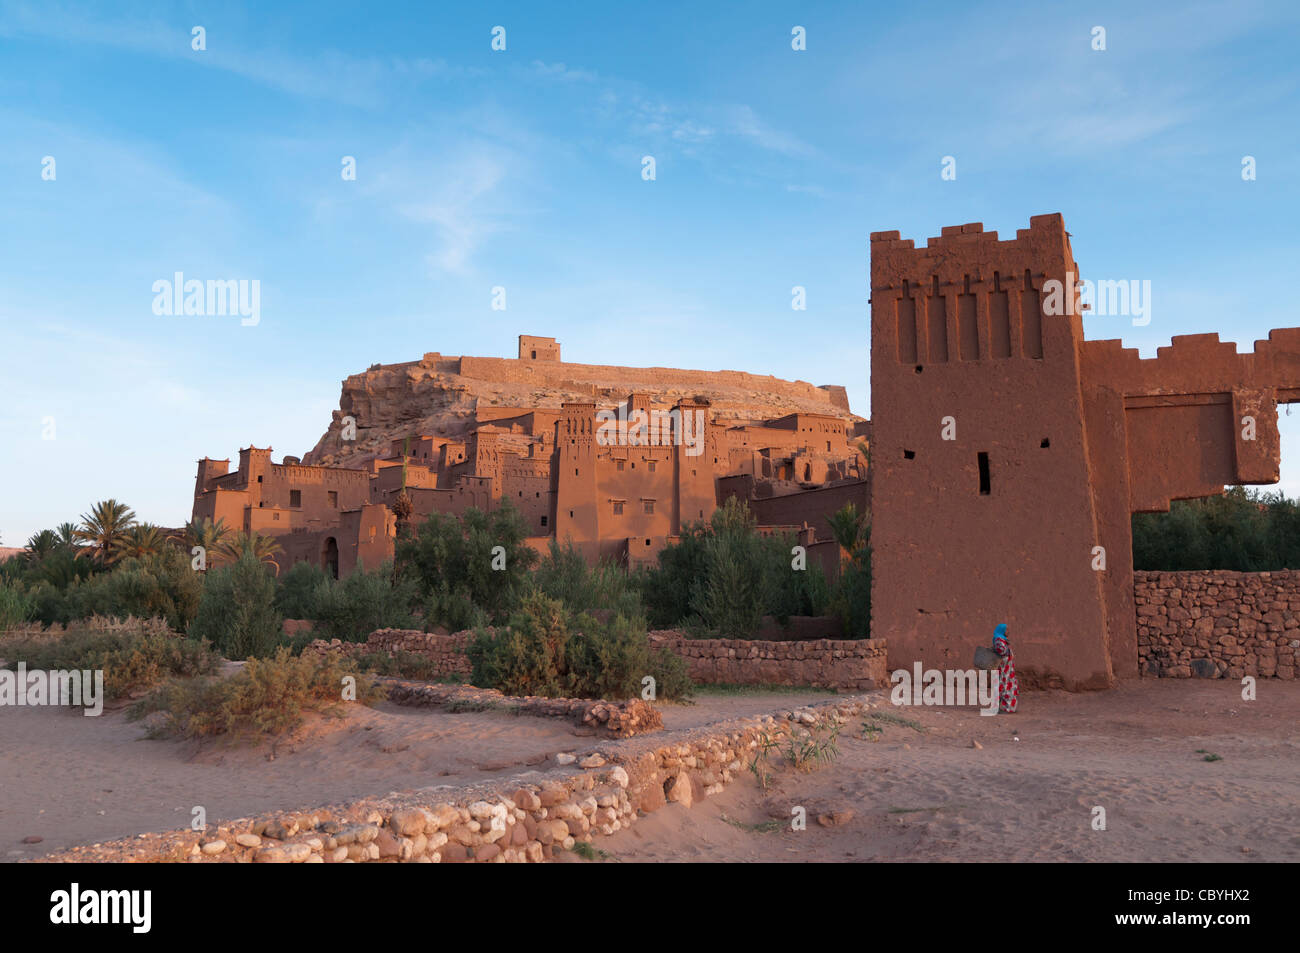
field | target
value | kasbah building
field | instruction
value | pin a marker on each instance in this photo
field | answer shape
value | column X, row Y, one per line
column 618, row 480
column 1008, row 455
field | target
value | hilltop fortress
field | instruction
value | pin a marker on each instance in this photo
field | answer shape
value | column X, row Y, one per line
column 615, row 459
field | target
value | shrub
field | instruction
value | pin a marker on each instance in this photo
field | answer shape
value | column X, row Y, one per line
column 668, row 588
column 724, row 576
column 161, row 586
column 528, row 657
column 363, row 602
column 563, row 574
column 134, row 655
column 237, row 612
column 17, row 605
column 546, row 650
column 609, row 660
column 266, row 697
column 295, row 595
column 450, row 563
column 851, row 597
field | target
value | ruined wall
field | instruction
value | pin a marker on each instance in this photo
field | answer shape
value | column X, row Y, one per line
column 1218, row 624
column 481, row 824
column 824, row 663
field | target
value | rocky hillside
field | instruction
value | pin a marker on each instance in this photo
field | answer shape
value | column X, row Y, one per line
column 443, row 395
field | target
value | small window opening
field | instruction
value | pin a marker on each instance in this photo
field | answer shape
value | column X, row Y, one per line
column 1046, row 443
column 909, row 454
column 984, row 474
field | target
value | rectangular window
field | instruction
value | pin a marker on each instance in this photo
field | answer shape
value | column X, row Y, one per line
column 618, row 509
column 649, row 506
column 651, row 465
column 334, row 498
column 984, row 474
column 618, row 465
column 543, row 520
column 295, row 497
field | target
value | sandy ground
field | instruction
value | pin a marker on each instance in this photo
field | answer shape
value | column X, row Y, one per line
column 915, row 795
column 932, row 796
column 70, row 780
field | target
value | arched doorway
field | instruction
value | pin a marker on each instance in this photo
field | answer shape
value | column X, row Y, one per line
column 330, row 557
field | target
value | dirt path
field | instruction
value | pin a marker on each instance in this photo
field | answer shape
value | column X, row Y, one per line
column 70, row 780
column 932, row 796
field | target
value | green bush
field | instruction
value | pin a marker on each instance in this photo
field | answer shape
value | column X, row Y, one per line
column 546, row 650
column 295, row 595
column 851, row 597
column 527, row 657
column 363, row 602
column 134, row 655
column 450, row 562
column 609, row 660
column 159, row 586
column 17, row 605
column 266, row 697
column 563, row 574
column 1242, row 530
column 237, row 611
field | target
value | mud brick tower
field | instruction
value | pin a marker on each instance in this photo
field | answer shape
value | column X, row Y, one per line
column 1056, row 441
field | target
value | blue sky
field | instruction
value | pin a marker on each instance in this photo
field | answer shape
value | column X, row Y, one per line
column 522, row 169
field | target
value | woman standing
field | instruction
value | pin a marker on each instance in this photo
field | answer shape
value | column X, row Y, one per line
column 1008, row 685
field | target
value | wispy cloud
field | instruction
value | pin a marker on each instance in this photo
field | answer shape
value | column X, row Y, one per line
column 744, row 122
column 459, row 198
column 329, row 75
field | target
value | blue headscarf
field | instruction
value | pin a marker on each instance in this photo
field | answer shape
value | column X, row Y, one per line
column 1000, row 633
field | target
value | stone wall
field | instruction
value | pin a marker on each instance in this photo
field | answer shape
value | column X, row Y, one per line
column 447, row 652
column 485, row 824
column 608, row 719
column 848, row 665
column 1218, row 624
column 841, row 664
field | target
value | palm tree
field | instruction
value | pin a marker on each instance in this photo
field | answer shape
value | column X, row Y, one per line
column 104, row 526
column 67, row 533
column 143, row 539
column 849, row 530
column 403, row 507
column 42, row 545
column 210, row 536
column 262, row 548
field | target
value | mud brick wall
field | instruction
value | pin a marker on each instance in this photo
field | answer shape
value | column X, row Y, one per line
column 1218, row 624
column 844, row 665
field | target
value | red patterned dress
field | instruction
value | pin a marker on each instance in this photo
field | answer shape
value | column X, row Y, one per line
column 1008, row 684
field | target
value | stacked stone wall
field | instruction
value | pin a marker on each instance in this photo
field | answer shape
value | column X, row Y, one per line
column 1218, row 624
